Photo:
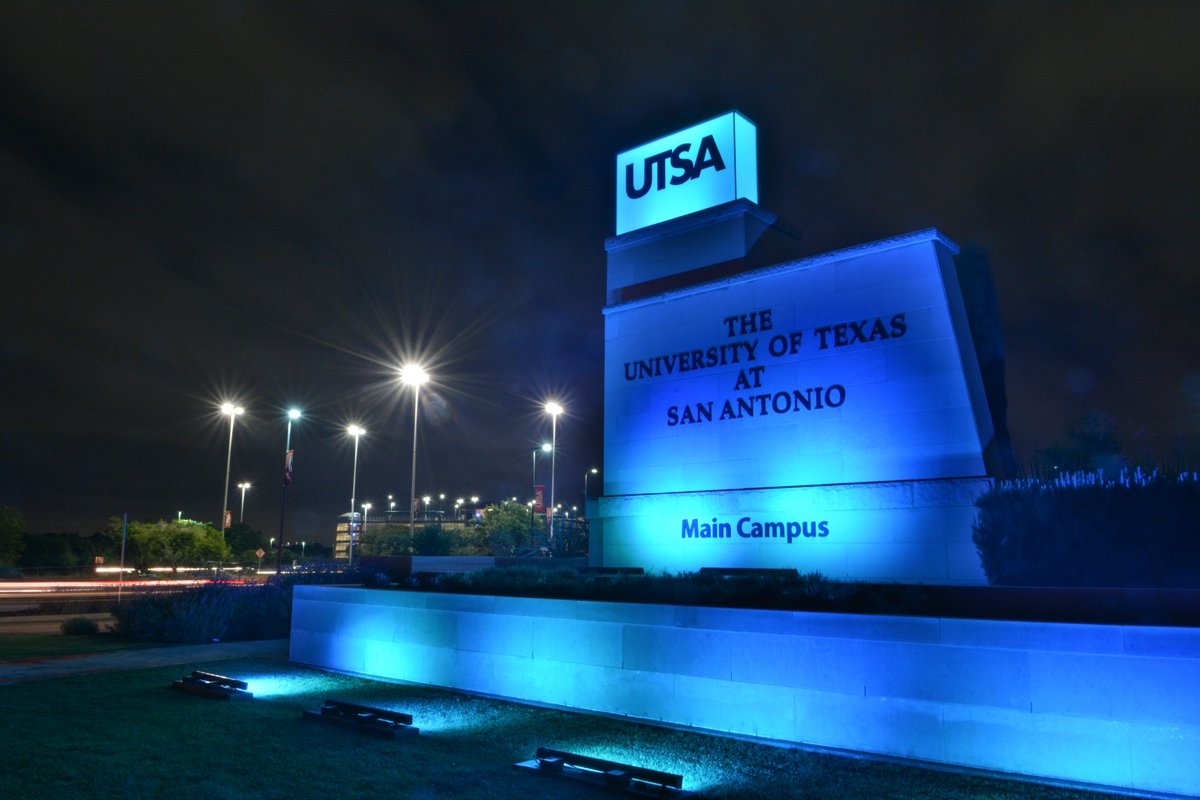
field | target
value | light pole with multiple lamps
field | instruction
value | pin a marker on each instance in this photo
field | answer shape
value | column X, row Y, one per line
column 413, row 375
column 234, row 412
column 242, row 511
column 293, row 414
column 553, row 409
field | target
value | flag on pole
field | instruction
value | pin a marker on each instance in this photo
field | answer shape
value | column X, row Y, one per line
column 287, row 468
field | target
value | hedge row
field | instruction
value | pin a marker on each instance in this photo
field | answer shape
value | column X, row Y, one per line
column 1083, row 529
column 218, row 611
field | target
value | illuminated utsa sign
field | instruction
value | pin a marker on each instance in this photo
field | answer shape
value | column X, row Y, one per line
column 655, row 167
column 690, row 170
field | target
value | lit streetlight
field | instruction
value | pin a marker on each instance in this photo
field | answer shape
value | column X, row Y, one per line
column 413, row 375
column 553, row 409
column 591, row 471
column 242, row 511
column 293, row 414
column 234, row 412
column 355, row 431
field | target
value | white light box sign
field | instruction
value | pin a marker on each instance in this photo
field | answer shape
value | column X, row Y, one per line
column 699, row 167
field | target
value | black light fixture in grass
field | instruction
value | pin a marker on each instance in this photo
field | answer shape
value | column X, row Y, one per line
column 608, row 774
column 213, row 686
column 364, row 719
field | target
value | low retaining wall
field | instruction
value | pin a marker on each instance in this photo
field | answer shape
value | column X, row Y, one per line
column 1108, row 705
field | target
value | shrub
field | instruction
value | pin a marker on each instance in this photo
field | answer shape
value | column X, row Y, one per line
column 80, row 626
column 1082, row 529
column 203, row 615
column 811, row 591
column 225, row 611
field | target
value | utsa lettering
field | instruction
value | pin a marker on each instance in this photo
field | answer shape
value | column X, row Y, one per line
column 654, row 168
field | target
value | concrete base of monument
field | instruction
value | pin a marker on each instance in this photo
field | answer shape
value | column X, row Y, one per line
column 1102, row 704
column 904, row 531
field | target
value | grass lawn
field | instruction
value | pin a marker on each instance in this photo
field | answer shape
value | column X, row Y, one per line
column 14, row 646
column 127, row 735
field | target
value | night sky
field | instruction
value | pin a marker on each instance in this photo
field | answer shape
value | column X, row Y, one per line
column 278, row 204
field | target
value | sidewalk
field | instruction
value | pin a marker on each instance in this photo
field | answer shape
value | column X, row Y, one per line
column 35, row 669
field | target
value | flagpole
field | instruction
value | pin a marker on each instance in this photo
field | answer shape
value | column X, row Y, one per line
column 279, row 549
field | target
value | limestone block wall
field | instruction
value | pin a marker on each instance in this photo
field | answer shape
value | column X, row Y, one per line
column 1108, row 705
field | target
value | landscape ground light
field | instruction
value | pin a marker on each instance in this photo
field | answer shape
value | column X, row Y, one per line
column 363, row 719
column 611, row 775
column 213, row 686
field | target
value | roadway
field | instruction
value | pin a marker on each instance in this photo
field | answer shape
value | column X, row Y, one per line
column 41, row 606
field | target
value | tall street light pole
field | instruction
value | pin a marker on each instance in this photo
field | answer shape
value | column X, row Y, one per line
column 413, row 375
column 242, row 510
column 591, row 471
column 553, row 409
column 234, row 412
column 366, row 507
column 293, row 414
column 355, row 431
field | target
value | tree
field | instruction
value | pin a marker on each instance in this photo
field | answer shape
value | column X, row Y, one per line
column 242, row 538
column 390, row 540
column 49, row 551
column 176, row 542
column 435, row 540
column 12, row 534
column 503, row 528
column 1089, row 444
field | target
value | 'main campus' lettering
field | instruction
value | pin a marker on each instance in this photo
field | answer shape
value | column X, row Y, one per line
column 749, row 529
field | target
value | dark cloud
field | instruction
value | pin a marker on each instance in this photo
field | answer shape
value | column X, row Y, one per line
column 279, row 202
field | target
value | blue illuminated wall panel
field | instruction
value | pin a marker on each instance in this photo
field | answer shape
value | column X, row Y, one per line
column 849, row 369
column 1098, row 704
